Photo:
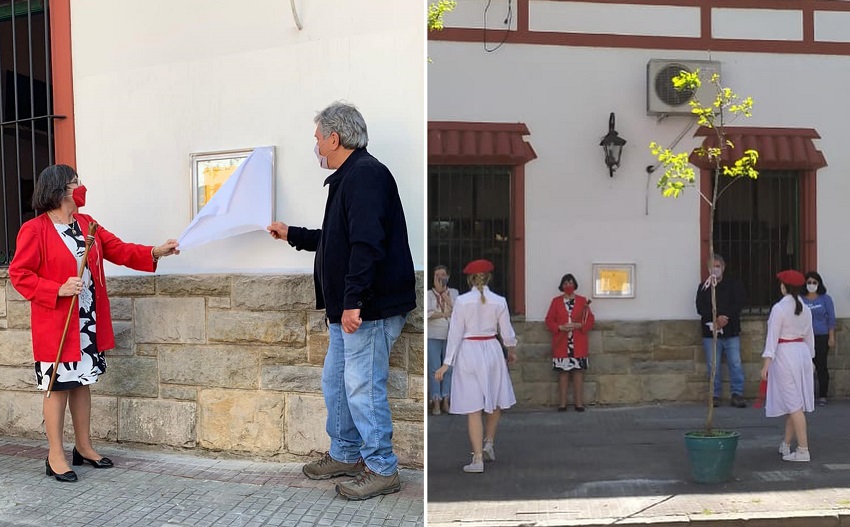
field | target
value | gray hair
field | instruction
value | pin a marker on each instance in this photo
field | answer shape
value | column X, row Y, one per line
column 717, row 258
column 344, row 119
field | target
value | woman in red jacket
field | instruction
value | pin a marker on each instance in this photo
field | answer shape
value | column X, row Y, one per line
column 44, row 270
column 570, row 319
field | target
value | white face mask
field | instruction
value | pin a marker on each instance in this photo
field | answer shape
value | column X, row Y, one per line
column 812, row 288
column 323, row 160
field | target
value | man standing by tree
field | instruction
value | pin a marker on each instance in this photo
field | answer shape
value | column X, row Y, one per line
column 364, row 279
column 730, row 302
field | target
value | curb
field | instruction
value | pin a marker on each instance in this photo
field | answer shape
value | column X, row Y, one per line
column 826, row 518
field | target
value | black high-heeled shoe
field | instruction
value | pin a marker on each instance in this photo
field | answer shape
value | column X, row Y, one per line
column 67, row 477
column 103, row 462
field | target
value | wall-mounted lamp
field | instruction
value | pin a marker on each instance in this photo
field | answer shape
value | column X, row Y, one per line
column 613, row 146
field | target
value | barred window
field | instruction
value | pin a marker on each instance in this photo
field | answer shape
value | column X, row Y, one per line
column 26, row 123
column 469, row 218
column 757, row 231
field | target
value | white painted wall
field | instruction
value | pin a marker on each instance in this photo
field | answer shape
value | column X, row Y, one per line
column 774, row 24
column 576, row 215
column 832, row 26
column 155, row 81
column 615, row 19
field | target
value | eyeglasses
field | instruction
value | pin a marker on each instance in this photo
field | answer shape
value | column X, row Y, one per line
column 75, row 181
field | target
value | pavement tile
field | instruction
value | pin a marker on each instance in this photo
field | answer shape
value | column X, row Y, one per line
column 628, row 466
column 165, row 488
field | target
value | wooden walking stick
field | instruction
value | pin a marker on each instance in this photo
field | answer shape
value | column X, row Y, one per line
column 584, row 312
column 89, row 243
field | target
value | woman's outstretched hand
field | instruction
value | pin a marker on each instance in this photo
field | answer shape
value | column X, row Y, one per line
column 166, row 249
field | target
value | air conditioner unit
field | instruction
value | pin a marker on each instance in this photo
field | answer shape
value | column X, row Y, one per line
column 663, row 99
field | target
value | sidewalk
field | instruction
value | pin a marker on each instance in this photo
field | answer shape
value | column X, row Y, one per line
column 156, row 488
column 628, row 466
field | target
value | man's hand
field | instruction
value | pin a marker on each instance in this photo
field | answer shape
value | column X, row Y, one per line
column 351, row 320
column 278, row 230
column 722, row 320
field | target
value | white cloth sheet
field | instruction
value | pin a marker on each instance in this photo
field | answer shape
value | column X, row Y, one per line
column 242, row 204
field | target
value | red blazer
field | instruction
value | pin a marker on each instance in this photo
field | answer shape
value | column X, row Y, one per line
column 42, row 263
column 558, row 315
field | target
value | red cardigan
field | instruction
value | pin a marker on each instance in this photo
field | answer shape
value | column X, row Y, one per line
column 42, row 263
column 558, row 315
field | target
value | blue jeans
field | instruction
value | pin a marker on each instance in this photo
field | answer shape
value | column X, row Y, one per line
column 354, row 381
column 731, row 349
column 436, row 354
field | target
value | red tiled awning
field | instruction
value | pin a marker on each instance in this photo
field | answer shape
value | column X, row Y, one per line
column 778, row 148
column 466, row 143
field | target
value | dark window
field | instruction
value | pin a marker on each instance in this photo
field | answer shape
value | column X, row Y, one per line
column 757, row 231
column 468, row 219
column 26, row 126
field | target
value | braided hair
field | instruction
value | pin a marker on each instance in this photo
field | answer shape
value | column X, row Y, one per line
column 478, row 281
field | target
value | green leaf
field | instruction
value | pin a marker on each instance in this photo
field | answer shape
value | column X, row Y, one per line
column 678, row 173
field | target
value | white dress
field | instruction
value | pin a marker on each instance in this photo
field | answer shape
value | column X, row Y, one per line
column 790, row 378
column 480, row 379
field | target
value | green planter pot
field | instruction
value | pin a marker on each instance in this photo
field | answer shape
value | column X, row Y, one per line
column 712, row 457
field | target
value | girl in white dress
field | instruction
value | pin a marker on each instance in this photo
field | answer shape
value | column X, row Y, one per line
column 480, row 380
column 788, row 352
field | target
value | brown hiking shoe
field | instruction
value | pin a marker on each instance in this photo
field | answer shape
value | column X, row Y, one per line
column 738, row 401
column 328, row 467
column 368, row 485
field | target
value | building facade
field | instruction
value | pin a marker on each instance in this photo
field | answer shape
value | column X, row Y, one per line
column 222, row 349
column 520, row 94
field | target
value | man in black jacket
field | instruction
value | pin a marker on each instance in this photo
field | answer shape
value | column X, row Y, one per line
column 730, row 301
column 364, row 279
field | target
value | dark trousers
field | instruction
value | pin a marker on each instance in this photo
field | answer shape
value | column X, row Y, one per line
column 821, row 349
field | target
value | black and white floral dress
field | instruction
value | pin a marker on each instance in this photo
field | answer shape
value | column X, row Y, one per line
column 92, row 363
column 570, row 362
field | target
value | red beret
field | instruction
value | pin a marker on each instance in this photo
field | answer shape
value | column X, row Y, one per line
column 478, row 266
column 792, row 277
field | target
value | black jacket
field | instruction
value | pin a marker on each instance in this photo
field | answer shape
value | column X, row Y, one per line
column 363, row 258
column 730, row 302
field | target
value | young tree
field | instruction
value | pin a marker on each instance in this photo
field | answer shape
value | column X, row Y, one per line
column 679, row 173
column 436, row 10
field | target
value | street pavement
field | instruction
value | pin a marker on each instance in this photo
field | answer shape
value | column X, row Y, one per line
column 628, row 466
column 175, row 489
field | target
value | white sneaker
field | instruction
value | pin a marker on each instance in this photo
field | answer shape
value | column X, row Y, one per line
column 798, row 455
column 784, row 449
column 489, row 452
column 476, row 467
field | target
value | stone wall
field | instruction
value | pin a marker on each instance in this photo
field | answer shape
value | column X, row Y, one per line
column 227, row 363
column 652, row 361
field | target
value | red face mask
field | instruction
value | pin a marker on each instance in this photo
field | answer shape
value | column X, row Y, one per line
column 569, row 289
column 79, row 195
